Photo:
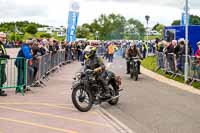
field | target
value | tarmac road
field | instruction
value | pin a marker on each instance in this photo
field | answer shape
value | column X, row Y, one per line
column 149, row 106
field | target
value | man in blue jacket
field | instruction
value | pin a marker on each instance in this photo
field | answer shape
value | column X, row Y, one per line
column 26, row 53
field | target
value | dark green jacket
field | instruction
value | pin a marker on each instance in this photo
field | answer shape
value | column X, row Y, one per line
column 3, row 54
column 94, row 63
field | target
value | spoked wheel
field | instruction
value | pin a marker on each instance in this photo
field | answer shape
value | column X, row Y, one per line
column 114, row 93
column 131, row 72
column 82, row 99
column 136, row 73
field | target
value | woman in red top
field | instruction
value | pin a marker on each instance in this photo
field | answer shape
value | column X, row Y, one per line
column 197, row 54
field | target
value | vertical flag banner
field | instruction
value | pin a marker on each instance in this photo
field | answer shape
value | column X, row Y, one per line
column 72, row 22
column 183, row 17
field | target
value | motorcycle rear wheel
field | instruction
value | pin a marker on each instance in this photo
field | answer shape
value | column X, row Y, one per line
column 115, row 93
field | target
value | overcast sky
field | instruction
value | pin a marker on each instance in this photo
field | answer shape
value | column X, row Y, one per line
column 55, row 12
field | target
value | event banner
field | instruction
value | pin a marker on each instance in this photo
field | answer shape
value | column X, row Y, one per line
column 183, row 17
column 72, row 22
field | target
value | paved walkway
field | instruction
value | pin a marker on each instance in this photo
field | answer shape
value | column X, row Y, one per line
column 50, row 109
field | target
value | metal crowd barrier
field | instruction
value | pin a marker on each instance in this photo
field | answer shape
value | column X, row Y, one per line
column 43, row 67
column 194, row 69
column 20, row 73
column 13, row 74
column 160, row 60
column 176, row 65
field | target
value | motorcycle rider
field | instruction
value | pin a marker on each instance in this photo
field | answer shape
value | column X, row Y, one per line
column 132, row 52
column 96, row 63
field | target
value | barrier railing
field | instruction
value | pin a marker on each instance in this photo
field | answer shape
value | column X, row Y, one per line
column 175, row 65
column 43, row 66
column 13, row 74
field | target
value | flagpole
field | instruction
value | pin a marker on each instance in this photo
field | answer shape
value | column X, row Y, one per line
column 186, row 40
column 15, row 32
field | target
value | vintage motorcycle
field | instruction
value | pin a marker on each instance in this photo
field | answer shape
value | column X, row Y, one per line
column 134, row 72
column 88, row 91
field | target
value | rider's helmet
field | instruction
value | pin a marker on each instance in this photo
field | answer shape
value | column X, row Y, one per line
column 90, row 51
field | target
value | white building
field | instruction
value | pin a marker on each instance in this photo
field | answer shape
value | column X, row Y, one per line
column 60, row 30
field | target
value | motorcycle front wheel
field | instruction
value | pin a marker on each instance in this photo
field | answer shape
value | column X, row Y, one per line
column 134, row 73
column 82, row 99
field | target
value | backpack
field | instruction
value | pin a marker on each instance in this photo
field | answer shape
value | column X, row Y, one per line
column 19, row 62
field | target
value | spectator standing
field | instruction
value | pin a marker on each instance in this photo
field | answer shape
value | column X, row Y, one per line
column 36, row 59
column 111, row 50
column 3, row 57
column 197, row 54
column 56, row 45
column 171, row 56
column 42, row 50
column 68, row 52
column 24, row 52
column 144, row 49
column 52, row 48
column 79, row 51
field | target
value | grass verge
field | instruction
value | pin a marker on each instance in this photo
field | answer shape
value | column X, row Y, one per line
column 150, row 64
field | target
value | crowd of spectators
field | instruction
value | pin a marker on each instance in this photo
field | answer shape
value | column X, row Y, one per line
column 32, row 50
column 173, row 53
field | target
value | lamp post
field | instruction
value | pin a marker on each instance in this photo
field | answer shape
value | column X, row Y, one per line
column 147, row 17
column 186, row 40
column 97, row 34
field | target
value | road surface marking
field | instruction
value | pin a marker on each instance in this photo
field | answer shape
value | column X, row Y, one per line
column 49, row 105
column 37, row 125
column 57, row 116
column 118, row 125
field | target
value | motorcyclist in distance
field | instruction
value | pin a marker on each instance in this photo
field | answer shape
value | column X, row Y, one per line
column 132, row 52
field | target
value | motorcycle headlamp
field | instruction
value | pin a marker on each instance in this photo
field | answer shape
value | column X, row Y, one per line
column 78, row 75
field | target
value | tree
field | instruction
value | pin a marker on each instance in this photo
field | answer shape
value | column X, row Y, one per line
column 113, row 26
column 194, row 20
column 31, row 29
column 83, row 32
column 159, row 27
column 176, row 22
column 21, row 25
column 139, row 28
column 45, row 35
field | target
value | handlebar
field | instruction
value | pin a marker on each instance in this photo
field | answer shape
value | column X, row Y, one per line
column 89, row 71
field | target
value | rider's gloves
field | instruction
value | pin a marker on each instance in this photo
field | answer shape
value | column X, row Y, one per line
column 99, row 69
